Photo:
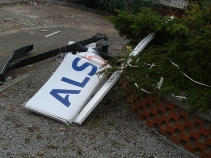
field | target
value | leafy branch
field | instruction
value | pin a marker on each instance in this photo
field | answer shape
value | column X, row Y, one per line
column 180, row 51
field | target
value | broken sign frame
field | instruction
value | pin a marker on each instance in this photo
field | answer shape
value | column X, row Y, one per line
column 10, row 64
column 84, row 90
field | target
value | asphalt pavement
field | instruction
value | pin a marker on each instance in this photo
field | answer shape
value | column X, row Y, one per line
column 26, row 22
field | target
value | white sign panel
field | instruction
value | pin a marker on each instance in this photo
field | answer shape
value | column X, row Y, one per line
column 109, row 83
column 72, row 86
column 67, row 91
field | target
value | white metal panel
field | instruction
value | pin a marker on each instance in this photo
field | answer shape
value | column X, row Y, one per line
column 62, row 84
column 109, row 84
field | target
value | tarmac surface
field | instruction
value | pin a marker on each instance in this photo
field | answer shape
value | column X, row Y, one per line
column 23, row 24
column 111, row 130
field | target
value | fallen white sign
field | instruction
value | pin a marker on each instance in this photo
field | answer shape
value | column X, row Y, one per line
column 76, row 88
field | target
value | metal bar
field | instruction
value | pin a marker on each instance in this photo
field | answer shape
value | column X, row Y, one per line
column 16, row 54
column 103, row 55
column 55, row 52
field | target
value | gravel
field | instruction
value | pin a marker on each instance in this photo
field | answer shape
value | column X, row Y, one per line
column 111, row 130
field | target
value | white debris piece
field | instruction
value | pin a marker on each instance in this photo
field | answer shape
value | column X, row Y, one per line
column 7, row 79
column 52, row 34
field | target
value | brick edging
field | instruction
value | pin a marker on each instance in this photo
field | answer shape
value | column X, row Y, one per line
column 183, row 127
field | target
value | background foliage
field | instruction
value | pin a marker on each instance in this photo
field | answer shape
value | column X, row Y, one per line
column 124, row 5
column 181, row 45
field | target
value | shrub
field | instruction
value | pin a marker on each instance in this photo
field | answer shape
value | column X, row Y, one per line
column 180, row 51
column 124, row 5
column 90, row 3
